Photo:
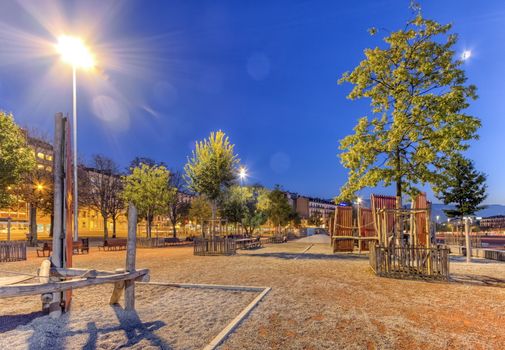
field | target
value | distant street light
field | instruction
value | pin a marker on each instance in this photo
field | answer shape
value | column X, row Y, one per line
column 242, row 174
column 74, row 52
column 466, row 55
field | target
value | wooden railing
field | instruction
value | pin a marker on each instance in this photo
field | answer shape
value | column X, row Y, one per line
column 12, row 250
column 214, row 246
column 408, row 262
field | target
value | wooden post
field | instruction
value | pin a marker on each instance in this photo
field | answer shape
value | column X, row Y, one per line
column 130, row 257
column 118, row 289
column 58, row 209
column 44, row 272
column 359, row 229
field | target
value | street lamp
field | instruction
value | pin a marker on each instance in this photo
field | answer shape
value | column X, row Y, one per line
column 242, row 174
column 74, row 52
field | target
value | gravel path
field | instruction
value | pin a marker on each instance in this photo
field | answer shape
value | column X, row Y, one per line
column 318, row 300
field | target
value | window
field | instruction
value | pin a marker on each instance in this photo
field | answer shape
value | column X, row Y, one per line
column 41, row 155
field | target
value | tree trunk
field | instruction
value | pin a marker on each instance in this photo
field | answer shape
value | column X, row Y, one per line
column 149, row 225
column 33, row 224
column 105, row 229
column 174, row 230
column 398, row 226
column 51, row 229
column 114, row 226
column 467, row 241
column 214, row 209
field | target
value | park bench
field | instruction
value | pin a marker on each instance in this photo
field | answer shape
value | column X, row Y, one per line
column 81, row 246
column 253, row 244
column 174, row 241
column 113, row 244
column 46, row 247
column 248, row 243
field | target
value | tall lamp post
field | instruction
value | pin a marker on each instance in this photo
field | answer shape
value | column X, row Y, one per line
column 74, row 52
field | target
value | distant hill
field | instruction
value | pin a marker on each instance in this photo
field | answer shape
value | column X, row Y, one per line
column 490, row 210
column 438, row 209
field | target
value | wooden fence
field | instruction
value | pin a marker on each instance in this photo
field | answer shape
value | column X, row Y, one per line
column 214, row 246
column 12, row 250
column 409, row 262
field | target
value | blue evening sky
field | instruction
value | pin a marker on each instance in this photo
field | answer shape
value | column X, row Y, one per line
column 265, row 72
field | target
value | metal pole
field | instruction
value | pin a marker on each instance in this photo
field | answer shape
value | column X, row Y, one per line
column 74, row 127
column 467, row 240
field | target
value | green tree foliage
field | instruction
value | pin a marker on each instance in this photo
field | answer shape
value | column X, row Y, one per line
column 212, row 167
column 16, row 158
column 256, row 213
column 247, row 206
column 278, row 209
column 233, row 204
column 464, row 186
column 315, row 219
column 200, row 210
column 147, row 188
column 418, row 95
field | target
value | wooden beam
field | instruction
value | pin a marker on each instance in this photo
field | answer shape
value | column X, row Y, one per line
column 71, row 272
column 235, row 322
column 57, row 287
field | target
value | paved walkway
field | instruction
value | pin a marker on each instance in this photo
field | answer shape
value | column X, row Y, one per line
column 321, row 238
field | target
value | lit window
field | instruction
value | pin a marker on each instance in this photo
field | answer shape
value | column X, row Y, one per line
column 40, row 166
column 49, row 157
column 41, row 155
column 48, row 168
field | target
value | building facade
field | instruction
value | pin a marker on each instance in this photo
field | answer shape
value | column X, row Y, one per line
column 308, row 207
column 493, row 222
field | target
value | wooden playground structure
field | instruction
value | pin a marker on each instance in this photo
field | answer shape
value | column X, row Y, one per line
column 214, row 239
column 56, row 277
column 400, row 242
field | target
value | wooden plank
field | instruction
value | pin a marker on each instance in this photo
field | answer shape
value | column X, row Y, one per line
column 56, row 287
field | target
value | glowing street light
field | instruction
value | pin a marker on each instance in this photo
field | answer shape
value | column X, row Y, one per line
column 466, row 55
column 358, row 200
column 74, row 52
column 39, row 187
column 242, row 174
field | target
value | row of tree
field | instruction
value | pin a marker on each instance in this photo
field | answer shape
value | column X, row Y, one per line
column 207, row 188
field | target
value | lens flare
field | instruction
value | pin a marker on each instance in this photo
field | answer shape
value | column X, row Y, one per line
column 73, row 51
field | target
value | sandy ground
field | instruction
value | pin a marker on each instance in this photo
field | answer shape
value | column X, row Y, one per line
column 318, row 301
